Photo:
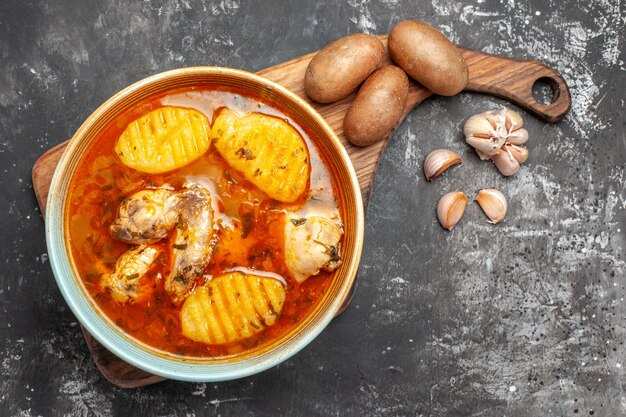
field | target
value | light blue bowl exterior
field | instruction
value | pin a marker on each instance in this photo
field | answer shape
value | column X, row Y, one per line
column 123, row 346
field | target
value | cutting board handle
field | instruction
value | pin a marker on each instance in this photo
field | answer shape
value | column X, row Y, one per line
column 513, row 80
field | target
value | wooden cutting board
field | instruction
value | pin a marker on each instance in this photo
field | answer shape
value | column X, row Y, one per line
column 507, row 78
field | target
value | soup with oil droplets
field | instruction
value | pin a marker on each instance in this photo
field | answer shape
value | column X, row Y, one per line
column 204, row 223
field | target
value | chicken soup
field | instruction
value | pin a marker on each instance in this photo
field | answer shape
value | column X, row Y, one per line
column 205, row 223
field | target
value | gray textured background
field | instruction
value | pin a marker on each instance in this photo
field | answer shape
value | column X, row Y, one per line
column 526, row 318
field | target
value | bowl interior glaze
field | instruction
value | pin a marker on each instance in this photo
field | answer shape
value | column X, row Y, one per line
column 170, row 365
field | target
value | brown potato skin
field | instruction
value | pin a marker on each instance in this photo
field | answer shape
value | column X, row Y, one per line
column 428, row 57
column 339, row 68
column 377, row 107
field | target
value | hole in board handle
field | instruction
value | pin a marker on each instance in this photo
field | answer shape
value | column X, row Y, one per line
column 545, row 90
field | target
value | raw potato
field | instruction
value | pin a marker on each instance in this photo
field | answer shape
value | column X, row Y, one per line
column 339, row 68
column 164, row 140
column 378, row 106
column 429, row 57
column 266, row 150
column 232, row 307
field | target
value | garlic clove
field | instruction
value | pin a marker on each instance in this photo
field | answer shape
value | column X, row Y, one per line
column 506, row 163
column 518, row 137
column 493, row 203
column 483, row 157
column 450, row 209
column 488, row 146
column 478, row 125
column 513, row 120
column 438, row 161
column 520, row 153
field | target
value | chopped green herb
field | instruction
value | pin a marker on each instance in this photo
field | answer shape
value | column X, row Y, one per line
column 298, row 222
column 247, row 225
column 229, row 177
column 181, row 224
column 244, row 153
column 334, row 255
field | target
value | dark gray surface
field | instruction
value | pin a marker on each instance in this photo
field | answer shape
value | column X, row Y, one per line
column 526, row 318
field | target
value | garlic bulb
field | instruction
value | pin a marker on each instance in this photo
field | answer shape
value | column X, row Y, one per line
column 498, row 135
column 493, row 203
column 450, row 209
column 438, row 161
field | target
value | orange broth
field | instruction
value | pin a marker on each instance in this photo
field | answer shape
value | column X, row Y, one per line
column 249, row 227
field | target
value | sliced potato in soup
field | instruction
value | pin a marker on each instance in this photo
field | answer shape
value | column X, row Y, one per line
column 164, row 140
column 231, row 308
column 267, row 150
